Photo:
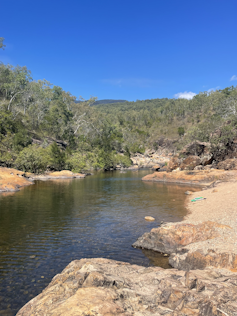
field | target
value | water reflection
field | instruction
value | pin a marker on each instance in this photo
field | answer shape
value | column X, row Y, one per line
column 45, row 226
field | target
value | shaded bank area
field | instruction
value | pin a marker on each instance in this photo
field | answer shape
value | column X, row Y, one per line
column 45, row 226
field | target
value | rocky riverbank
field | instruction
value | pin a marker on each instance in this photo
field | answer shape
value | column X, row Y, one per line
column 150, row 159
column 12, row 180
column 106, row 287
column 202, row 250
column 204, row 178
column 206, row 237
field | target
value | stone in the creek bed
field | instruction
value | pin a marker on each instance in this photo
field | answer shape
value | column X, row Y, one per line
column 188, row 192
column 149, row 218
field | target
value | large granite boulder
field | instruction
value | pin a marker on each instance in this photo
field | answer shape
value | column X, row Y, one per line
column 196, row 148
column 190, row 163
column 170, row 238
column 101, row 287
column 228, row 164
column 173, row 163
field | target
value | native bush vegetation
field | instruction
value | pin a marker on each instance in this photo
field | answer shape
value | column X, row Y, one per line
column 43, row 127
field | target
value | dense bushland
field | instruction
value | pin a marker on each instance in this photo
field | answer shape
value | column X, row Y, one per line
column 43, row 127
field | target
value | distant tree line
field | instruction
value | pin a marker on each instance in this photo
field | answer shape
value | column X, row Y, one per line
column 43, row 127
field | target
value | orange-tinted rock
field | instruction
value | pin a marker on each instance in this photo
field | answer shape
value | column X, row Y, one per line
column 12, row 179
column 64, row 174
column 194, row 177
column 169, row 238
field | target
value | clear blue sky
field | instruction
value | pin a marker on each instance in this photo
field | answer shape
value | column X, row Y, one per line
column 124, row 49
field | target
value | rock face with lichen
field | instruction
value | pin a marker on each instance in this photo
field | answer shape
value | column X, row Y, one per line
column 106, row 287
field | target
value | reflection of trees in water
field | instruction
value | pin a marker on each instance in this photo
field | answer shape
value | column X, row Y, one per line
column 34, row 208
column 45, row 226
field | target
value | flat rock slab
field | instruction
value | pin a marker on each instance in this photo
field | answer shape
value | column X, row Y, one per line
column 107, row 287
column 194, row 177
column 64, row 174
column 11, row 180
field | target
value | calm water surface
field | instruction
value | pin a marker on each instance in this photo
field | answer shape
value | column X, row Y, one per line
column 45, row 226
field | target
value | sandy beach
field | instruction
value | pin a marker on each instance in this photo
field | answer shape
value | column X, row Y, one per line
column 219, row 206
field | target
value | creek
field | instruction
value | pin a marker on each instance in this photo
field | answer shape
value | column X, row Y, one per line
column 45, row 226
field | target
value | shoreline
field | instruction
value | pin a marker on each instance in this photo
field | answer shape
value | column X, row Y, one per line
column 205, row 284
column 12, row 180
column 206, row 236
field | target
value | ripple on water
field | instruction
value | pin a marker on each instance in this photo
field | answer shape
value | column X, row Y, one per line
column 45, row 226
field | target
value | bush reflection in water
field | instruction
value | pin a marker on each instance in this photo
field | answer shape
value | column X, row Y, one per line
column 45, row 226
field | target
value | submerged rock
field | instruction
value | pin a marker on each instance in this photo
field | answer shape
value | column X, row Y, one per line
column 107, row 287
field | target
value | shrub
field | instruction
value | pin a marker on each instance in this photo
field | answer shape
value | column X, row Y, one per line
column 33, row 159
column 181, row 131
column 57, row 156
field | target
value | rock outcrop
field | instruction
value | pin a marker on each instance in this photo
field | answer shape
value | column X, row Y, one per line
column 64, row 174
column 193, row 177
column 12, row 180
column 170, row 238
column 151, row 159
column 106, row 287
column 196, row 148
column 207, row 236
column 190, row 163
column 228, row 164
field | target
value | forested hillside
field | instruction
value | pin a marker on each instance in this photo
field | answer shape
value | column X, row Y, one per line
column 43, row 128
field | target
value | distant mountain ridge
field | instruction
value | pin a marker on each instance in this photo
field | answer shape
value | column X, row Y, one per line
column 105, row 101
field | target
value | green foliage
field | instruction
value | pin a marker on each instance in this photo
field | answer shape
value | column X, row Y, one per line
column 21, row 140
column 76, row 162
column 123, row 160
column 33, row 159
column 58, row 157
column 7, row 123
column 181, row 131
column 137, row 148
column 95, row 136
column 1, row 43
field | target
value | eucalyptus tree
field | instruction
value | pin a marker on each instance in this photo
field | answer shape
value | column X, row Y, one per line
column 1, row 43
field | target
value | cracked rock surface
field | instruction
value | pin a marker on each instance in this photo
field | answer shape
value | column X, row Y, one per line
column 107, row 287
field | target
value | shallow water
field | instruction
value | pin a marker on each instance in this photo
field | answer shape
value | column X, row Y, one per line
column 45, row 226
